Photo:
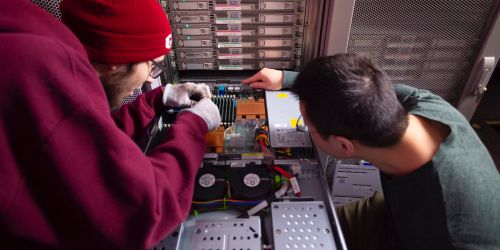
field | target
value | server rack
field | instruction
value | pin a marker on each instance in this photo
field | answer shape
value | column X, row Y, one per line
column 449, row 47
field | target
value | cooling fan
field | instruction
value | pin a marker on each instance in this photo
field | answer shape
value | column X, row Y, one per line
column 210, row 184
column 250, row 183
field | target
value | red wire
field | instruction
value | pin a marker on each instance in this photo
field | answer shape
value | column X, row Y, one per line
column 282, row 171
column 262, row 145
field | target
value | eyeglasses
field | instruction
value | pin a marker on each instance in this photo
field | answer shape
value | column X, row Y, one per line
column 301, row 126
column 157, row 69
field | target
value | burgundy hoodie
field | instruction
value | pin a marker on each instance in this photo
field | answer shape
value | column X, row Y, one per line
column 69, row 177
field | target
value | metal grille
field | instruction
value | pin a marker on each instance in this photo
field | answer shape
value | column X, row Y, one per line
column 227, row 234
column 425, row 44
column 51, row 6
column 301, row 225
column 130, row 99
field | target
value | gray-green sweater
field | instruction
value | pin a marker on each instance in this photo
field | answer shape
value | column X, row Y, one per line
column 453, row 201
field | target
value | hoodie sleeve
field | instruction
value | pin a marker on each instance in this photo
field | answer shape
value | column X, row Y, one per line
column 134, row 117
column 81, row 181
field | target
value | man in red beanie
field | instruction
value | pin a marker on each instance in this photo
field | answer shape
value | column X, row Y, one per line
column 126, row 42
column 70, row 178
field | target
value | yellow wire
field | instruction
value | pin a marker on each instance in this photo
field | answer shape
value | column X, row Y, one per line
column 219, row 200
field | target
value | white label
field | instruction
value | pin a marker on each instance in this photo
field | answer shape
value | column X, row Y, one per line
column 207, row 180
column 295, row 186
column 229, row 67
column 227, row 7
column 230, row 56
column 168, row 41
column 229, row 45
column 227, row 21
column 229, row 33
column 251, row 180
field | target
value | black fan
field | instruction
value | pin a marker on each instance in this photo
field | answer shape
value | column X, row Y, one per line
column 250, row 183
column 210, row 184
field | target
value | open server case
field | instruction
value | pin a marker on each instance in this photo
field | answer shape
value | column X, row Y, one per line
column 261, row 185
column 448, row 47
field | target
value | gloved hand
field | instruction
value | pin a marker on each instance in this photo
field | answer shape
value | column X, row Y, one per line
column 207, row 110
column 182, row 95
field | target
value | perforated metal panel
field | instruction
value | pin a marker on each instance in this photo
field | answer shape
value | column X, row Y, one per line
column 227, row 234
column 51, row 6
column 421, row 43
column 301, row 225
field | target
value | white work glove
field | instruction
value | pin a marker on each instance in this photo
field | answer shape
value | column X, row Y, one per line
column 207, row 110
column 179, row 96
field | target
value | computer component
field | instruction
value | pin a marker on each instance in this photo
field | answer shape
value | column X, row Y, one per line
column 251, row 183
column 227, row 106
column 240, row 33
column 354, row 180
column 240, row 137
column 250, row 109
column 215, row 141
column 227, row 234
column 283, row 112
column 220, row 43
column 184, row 54
column 210, row 184
column 171, row 242
column 301, row 225
column 241, row 170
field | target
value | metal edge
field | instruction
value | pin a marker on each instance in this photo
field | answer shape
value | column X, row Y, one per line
column 491, row 31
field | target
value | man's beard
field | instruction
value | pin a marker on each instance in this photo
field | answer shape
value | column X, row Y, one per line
column 115, row 94
column 118, row 86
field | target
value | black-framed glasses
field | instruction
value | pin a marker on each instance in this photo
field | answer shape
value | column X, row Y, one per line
column 157, row 69
column 301, row 126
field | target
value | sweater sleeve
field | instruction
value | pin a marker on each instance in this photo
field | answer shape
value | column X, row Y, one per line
column 112, row 191
column 289, row 78
column 83, row 182
column 127, row 198
column 134, row 117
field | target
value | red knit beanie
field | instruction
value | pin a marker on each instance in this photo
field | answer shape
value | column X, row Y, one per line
column 119, row 31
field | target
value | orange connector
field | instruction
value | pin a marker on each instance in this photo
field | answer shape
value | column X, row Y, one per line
column 215, row 141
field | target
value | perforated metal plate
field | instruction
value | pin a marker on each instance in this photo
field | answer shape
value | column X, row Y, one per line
column 231, row 234
column 425, row 44
column 51, row 6
column 301, row 225
column 170, row 242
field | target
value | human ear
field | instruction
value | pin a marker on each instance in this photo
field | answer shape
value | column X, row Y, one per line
column 113, row 67
column 344, row 146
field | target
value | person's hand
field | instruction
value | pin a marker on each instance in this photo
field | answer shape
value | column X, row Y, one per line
column 183, row 95
column 208, row 111
column 270, row 79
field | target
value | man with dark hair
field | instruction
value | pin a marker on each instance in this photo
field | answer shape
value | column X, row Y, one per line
column 362, row 105
column 440, row 184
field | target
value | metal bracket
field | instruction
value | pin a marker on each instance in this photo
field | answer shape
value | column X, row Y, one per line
column 488, row 65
